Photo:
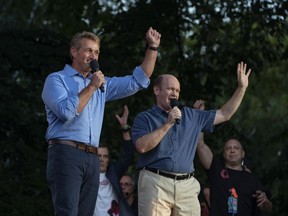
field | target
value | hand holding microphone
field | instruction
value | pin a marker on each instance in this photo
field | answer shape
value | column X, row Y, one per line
column 94, row 65
column 174, row 103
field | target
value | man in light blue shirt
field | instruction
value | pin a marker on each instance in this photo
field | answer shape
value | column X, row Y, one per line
column 74, row 107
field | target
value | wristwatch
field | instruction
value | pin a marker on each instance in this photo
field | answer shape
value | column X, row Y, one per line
column 126, row 128
column 153, row 48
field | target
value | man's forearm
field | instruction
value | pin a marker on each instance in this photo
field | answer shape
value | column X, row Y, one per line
column 149, row 141
column 126, row 135
column 84, row 97
column 231, row 106
column 149, row 62
column 205, row 154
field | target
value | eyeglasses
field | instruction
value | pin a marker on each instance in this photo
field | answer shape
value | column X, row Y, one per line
column 126, row 184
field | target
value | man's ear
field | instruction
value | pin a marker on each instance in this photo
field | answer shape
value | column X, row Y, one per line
column 156, row 90
column 243, row 154
column 73, row 52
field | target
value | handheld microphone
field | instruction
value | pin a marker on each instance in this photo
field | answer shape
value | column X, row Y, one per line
column 95, row 67
column 173, row 103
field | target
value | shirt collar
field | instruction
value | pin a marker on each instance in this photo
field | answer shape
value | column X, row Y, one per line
column 159, row 111
column 70, row 71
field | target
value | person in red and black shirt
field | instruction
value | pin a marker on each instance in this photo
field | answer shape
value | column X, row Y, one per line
column 234, row 189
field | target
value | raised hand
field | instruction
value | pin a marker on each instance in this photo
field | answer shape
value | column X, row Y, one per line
column 243, row 76
column 153, row 37
column 123, row 119
column 199, row 104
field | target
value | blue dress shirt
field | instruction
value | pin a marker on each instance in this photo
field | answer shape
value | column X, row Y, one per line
column 60, row 96
column 176, row 150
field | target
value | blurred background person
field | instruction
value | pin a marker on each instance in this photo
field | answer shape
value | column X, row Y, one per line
column 128, row 188
column 111, row 200
column 234, row 190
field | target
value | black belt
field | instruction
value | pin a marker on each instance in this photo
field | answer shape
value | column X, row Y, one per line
column 170, row 175
column 82, row 146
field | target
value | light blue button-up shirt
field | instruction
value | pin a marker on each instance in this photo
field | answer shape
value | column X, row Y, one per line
column 60, row 96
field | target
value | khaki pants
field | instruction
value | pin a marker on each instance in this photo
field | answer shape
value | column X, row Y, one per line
column 162, row 196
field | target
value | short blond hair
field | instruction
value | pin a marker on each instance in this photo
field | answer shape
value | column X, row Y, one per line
column 78, row 37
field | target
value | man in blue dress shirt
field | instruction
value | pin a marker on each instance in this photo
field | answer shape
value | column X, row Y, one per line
column 166, row 185
column 74, row 107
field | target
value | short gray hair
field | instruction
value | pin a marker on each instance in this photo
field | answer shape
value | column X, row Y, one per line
column 77, row 39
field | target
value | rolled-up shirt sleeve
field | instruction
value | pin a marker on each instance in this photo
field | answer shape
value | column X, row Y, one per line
column 62, row 102
column 120, row 87
column 141, row 77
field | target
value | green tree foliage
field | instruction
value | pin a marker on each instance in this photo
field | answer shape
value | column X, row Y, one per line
column 202, row 42
column 26, row 57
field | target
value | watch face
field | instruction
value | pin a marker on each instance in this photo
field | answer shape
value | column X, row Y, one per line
column 126, row 128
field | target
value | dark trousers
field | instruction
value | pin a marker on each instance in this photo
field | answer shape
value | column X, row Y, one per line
column 73, row 178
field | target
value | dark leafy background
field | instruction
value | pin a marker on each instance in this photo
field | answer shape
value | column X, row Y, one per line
column 202, row 42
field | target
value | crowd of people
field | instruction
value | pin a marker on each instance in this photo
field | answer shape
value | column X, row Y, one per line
column 83, row 179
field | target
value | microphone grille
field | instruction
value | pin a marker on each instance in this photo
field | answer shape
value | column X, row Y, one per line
column 94, row 65
column 174, row 102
